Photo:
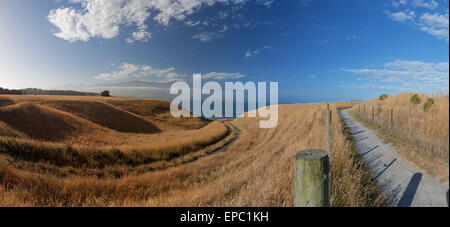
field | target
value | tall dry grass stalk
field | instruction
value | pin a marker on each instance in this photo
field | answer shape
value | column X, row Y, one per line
column 421, row 135
column 256, row 170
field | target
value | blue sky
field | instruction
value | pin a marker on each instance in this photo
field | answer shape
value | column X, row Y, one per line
column 318, row 50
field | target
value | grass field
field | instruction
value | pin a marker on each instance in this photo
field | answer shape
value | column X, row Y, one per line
column 144, row 169
column 420, row 131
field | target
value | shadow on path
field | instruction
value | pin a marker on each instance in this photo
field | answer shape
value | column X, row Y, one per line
column 384, row 170
column 356, row 133
column 410, row 191
column 370, row 150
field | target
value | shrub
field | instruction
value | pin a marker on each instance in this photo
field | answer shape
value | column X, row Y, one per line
column 383, row 97
column 415, row 99
column 105, row 94
column 428, row 104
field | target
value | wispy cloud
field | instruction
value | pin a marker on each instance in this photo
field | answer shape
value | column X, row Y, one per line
column 267, row 3
column 127, row 71
column 433, row 19
column 408, row 75
column 253, row 53
column 429, row 4
column 223, row 76
column 132, row 71
column 207, row 36
column 402, row 16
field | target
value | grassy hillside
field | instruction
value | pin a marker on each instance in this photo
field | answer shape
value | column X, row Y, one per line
column 420, row 128
column 157, row 111
column 87, row 136
column 256, row 170
column 106, row 115
column 41, row 122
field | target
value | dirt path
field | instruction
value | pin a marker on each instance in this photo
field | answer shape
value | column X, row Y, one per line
column 229, row 143
column 403, row 184
column 3, row 104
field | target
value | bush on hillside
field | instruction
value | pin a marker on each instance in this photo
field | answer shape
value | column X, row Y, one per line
column 383, row 97
column 415, row 99
column 428, row 105
column 105, row 94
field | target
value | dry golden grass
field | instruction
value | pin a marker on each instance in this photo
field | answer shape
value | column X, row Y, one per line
column 256, row 170
column 40, row 122
column 10, row 198
column 158, row 111
column 155, row 111
column 91, row 122
column 89, row 133
column 66, row 161
column 420, row 136
column 106, row 115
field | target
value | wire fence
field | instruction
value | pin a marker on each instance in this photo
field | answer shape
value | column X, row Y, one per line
column 310, row 167
column 325, row 178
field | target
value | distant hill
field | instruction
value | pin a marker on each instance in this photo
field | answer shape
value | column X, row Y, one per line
column 123, row 84
column 9, row 92
column 134, row 88
column 36, row 91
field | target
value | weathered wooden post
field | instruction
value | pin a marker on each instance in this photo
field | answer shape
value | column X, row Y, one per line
column 373, row 114
column 359, row 110
column 329, row 115
column 311, row 179
column 392, row 118
column 364, row 111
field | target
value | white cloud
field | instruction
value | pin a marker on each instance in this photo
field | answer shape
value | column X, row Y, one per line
column 408, row 75
column 402, row 16
column 129, row 71
column 432, row 4
column 141, row 35
column 436, row 25
column 207, row 36
column 223, row 76
column 429, row 4
column 104, row 18
column 192, row 23
column 253, row 53
column 353, row 37
column 267, row 3
column 145, row 72
column 433, row 20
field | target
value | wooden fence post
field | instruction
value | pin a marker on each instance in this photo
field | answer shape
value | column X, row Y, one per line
column 373, row 114
column 392, row 118
column 364, row 111
column 329, row 115
column 311, row 179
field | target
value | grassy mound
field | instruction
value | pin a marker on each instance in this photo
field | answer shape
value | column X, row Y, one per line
column 157, row 110
column 106, row 115
column 40, row 122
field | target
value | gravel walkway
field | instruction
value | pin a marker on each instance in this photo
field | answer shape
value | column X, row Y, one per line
column 403, row 184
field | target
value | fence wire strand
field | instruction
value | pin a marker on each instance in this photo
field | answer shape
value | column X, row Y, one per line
column 317, row 188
